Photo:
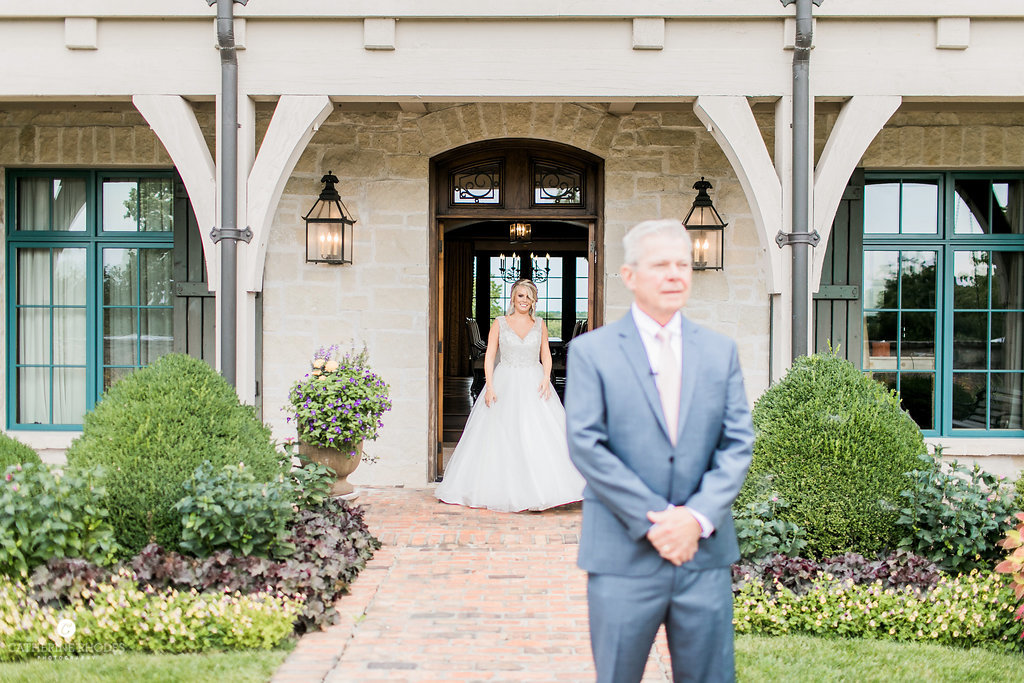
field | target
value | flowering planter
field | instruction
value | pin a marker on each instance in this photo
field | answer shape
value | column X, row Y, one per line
column 338, row 460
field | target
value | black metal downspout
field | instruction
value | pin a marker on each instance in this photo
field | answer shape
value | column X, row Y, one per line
column 228, row 231
column 800, row 238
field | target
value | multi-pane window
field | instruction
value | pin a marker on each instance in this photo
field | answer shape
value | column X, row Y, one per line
column 561, row 281
column 549, row 292
column 89, row 279
column 988, row 320
column 50, row 335
column 137, row 309
column 900, row 324
column 500, row 285
column 582, row 289
column 943, row 298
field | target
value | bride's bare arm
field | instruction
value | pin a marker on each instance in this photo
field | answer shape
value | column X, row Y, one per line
column 545, row 361
column 492, row 352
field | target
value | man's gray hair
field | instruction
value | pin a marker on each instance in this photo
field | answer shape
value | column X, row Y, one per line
column 632, row 243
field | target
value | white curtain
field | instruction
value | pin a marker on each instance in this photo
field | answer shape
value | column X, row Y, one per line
column 68, row 201
column 64, row 306
column 69, row 335
column 69, row 204
column 33, row 335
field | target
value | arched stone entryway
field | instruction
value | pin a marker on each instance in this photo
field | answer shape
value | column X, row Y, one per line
column 478, row 192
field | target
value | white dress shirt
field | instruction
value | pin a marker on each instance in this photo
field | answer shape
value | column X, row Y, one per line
column 649, row 328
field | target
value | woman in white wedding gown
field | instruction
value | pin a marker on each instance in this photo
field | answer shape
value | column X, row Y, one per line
column 513, row 453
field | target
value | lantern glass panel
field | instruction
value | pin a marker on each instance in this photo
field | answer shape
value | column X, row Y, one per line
column 707, row 248
column 326, row 210
column 703, row 216
column 328, row 242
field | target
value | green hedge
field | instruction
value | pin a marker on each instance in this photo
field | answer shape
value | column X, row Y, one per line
column 14, row 452
column 118, row 616
column 152, row 429
column 966, row 610
column 835, row 444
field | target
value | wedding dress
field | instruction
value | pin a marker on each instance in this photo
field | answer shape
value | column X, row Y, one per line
column 513, row 454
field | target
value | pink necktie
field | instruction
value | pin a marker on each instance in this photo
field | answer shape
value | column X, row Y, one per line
column 668, row 380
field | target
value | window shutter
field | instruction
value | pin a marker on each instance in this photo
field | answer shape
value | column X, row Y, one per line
column 194, row 304
column 837, row 303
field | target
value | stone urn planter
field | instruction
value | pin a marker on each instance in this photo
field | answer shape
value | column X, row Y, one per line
column 338, row 460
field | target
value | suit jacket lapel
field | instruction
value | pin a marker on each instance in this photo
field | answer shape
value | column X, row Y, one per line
column 688, row 381
column 636, row 355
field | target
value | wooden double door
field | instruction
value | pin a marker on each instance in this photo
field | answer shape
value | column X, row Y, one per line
column 483, row 196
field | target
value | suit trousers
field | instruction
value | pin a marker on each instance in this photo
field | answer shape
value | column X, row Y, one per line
column 694, row 605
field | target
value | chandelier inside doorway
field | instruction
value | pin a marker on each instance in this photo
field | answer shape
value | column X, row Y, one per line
column 511, row 268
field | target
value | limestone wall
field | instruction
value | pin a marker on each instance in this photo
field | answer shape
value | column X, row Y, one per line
column 947, row 140
column 382, row 161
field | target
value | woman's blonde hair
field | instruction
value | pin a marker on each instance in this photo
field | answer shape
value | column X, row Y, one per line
column 531, row 290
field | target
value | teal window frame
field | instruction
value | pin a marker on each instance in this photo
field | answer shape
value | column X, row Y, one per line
column 93, row 239
column 945, row 243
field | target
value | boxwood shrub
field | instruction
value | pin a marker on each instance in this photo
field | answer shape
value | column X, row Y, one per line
column 14, row 452
column 152, row 429
column 836, row 445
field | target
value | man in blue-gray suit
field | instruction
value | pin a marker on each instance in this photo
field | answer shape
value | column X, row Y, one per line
column 659, row 426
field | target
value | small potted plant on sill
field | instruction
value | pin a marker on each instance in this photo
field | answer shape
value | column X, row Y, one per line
column 336, row 407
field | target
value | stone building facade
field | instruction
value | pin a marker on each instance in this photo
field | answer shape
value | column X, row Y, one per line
column 662, row 95
column 382, row 162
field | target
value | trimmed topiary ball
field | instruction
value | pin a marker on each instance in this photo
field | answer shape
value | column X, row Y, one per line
column 836, row 445
column 14, row 452
column 152, row 429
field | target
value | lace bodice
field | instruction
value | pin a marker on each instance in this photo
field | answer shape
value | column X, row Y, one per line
column 516, row 352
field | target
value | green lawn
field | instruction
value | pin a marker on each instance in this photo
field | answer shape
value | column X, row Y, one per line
column 758, row 658
column 227, row 667
column 805, row 658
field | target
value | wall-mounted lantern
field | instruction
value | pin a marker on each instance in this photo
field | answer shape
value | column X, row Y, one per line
column 329, row 232
column 707, row 230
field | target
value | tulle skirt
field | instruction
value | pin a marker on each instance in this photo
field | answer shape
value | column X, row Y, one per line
column 513, row 454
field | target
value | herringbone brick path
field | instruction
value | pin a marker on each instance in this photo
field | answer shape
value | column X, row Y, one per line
column 460, row 595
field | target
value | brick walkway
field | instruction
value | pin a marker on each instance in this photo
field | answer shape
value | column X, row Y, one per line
column 460, row 595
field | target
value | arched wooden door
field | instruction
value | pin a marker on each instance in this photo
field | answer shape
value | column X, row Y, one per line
column 478, row 192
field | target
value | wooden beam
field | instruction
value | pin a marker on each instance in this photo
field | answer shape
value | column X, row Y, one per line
column 859, row 121
column 174, row 123
column 732, row 124
column 295, row 120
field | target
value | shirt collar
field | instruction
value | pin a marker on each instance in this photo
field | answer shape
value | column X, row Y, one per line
column 649, row 326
